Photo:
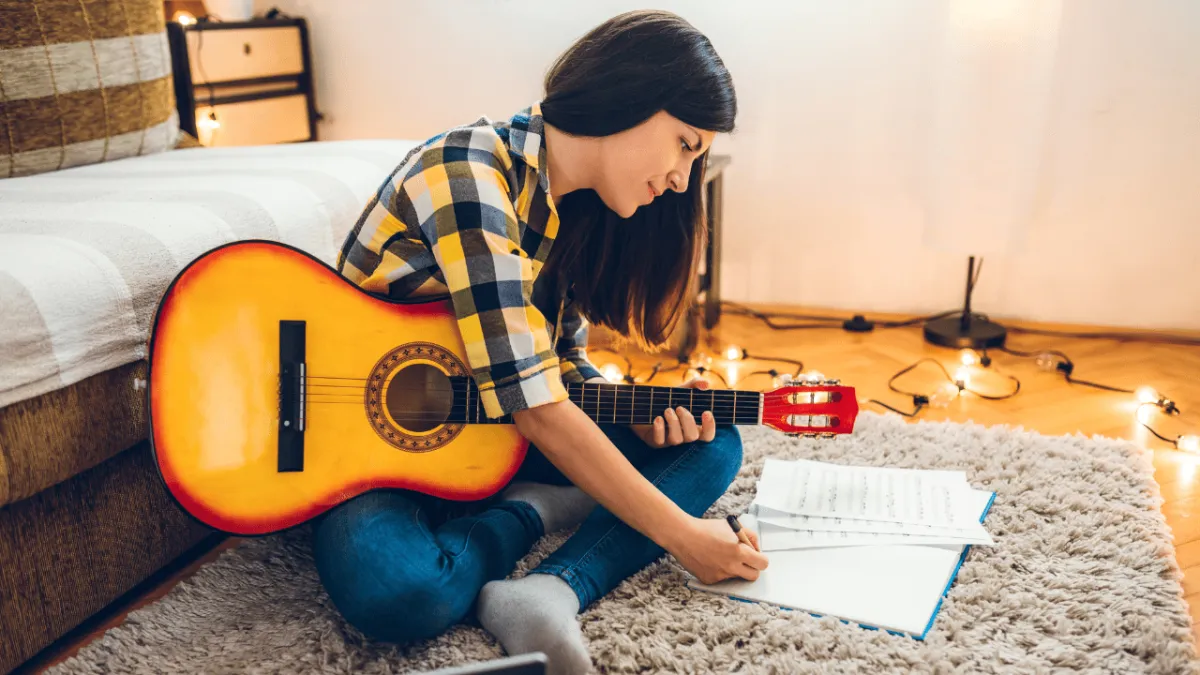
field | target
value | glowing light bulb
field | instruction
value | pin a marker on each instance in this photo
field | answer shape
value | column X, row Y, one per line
column 1189, row 443
column 963, row 374
column 612, row 372
column 1046, row 361
column 944, row 395
column 1146, row 395
column 208, row 122
column 968, row 357
column 813, row 376
column 185, row 18
column 702, row 359
column 1145, row 413
column 733, row 353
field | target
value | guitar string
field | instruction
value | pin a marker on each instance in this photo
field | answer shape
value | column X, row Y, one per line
column 623, row 393
column 460, row 382
column 639, row 412
column 607, row 405
column 607, row 412
column 451, row 418
column 620, row 414
column 621, row 403
column 618, row 395
column 722, row 402
column 718, row 398
column 621, row 408
column 635, row 413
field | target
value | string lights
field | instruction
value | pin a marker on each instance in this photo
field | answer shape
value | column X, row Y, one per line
column 966, row 379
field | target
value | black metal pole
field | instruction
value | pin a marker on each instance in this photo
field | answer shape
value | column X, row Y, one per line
column 966, row 314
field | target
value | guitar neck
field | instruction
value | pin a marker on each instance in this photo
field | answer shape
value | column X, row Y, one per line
column 640, row 404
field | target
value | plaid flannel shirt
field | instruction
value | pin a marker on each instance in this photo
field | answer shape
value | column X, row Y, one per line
column 468, row 213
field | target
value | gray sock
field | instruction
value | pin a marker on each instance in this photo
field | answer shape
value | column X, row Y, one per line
column 559, row 507
column 536, row 613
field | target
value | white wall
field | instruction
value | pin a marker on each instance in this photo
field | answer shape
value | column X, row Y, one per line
column 821, row 201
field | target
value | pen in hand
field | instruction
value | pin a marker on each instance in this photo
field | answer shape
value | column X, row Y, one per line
column 740, row 532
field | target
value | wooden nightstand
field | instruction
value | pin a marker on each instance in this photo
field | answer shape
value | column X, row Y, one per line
column 253, row 77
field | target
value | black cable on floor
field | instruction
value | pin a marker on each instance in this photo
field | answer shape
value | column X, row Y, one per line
column 1067, row 367
column 1158, row 435
column 659, row 369
column 702, row 370
column 1157, row 338
column 917, row 407
column 776, row 359
column 950, row 378
column 847, row 322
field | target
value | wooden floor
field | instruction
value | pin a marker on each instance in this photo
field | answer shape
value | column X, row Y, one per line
column 1046, row 404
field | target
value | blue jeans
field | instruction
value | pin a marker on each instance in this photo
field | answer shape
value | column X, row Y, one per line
column 397, row 576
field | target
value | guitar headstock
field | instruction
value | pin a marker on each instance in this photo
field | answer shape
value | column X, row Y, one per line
column 811, row 408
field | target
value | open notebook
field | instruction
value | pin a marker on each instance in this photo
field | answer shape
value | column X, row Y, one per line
column 897, row 588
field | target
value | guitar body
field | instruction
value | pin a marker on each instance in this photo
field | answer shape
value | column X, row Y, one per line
column 276, row 391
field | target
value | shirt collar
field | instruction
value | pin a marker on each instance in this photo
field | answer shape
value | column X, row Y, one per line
column 526, row 138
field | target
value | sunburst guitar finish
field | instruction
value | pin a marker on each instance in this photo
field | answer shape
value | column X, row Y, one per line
column 278, row 390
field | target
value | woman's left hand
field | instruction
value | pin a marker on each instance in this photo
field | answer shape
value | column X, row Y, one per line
column 678, row 426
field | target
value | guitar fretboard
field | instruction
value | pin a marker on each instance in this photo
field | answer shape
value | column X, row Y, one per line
column 628, row 403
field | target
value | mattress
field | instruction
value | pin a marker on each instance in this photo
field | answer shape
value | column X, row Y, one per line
column 86, row 253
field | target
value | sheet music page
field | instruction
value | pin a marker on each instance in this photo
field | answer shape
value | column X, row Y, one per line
column 770, row 516
column 775, row 538
column 896, row 495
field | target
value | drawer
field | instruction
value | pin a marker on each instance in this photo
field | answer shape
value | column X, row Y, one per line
column 244, row 53
column 262, row 122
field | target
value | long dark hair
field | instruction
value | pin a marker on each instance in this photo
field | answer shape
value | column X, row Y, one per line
column 635, row 275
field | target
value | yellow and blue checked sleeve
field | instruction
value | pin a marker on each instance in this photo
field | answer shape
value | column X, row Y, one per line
column 572, row 347
column 457, row 193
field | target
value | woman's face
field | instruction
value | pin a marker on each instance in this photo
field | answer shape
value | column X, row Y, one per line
column 641, row 163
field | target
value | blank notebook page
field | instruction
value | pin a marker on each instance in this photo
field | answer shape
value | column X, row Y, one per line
column 897, row 588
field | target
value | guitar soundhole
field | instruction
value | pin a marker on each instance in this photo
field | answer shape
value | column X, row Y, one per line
column 409, row 397
column 419, row 398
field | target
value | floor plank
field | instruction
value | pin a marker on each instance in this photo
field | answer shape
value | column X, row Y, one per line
column 1194, row 609
column 1188, row 554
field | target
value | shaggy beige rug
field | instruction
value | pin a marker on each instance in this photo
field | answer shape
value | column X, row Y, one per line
column 1083, row 578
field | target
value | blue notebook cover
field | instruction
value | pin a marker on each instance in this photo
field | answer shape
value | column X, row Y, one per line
column 928, row 626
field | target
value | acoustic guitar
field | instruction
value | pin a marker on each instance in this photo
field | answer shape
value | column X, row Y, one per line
column 278, row 389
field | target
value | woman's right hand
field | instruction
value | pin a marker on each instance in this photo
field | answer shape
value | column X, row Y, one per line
column 712, row 552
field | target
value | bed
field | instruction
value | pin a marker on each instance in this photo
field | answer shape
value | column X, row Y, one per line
column 85, row 255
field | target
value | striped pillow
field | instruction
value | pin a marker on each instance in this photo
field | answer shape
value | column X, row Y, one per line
column 83, row 81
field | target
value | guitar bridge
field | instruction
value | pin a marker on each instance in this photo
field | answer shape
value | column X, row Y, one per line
column 292, row 395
